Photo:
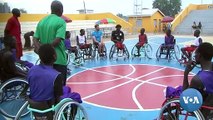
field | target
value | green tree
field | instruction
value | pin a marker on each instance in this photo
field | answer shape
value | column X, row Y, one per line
column 22, row 10
column 168, row 7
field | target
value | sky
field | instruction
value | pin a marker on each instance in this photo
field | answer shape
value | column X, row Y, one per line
column 125, row 7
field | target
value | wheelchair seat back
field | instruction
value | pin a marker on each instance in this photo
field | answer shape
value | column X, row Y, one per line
column 36, row 107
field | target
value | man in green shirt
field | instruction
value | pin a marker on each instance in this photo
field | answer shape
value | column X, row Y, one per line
column 51, row 29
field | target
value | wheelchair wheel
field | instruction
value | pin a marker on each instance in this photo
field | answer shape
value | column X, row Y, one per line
column 158, row 54
column 67, row 112
column 134, row 51
column 22, row 67
column 193, row 59
column 12, row 98
column 177, row 52
column 112, row 51
column 68, row 57
column 126, row 52
column 148, row 50
column 94, row 51
column 76, row 61
column 171, row 110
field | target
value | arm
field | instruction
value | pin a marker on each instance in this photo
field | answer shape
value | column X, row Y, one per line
column 77, row 40
column 94, row 38
column 102, row 37
column 56, row 42
column 188, row 68
column 112, row 36
column 200, row 41
column 146, row 39
column 36, row 43
column 85, row 40
column 58, row 88
column 122, row 37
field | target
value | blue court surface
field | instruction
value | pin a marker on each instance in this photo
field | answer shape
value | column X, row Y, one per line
column 121, row 89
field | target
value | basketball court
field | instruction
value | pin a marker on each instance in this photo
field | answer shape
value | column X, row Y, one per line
column 124, row 89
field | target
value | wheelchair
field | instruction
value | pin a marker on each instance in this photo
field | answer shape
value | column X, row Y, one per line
column 11, row 97
column 22, row 67
column 144, row 51
column 115, row 52
column 86, row 53
column 171, row 110
column 62, row 111
column 71, row 58
column 183, row 59
column 174, row 52
column 95, row 52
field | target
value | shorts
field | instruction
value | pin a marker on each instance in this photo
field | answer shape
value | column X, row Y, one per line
column 119, row 45
column 85, row 46
column 189, row 49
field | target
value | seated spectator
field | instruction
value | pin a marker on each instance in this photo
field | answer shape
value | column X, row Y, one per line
column 169, row 42
column 8, row 68
column 27, row 44
column 199, row 25
column 194, row 26
column 82, row 42
column 189, row 49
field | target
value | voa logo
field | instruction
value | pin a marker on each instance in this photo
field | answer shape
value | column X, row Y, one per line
column 191, row 100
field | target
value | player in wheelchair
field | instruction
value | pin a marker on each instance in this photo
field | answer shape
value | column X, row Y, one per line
column 39, row 77
column 98, row 44
column 189, row 50
column 202, row 81
column 142, row 47
column 168, row 48
column 8, row 61
column 168, row 44
column 117, row 37
column 83, row 45
column 142, row 40
column 67, row 43
column 12, row 79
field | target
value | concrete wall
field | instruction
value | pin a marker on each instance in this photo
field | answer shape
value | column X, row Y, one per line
column 180, row 17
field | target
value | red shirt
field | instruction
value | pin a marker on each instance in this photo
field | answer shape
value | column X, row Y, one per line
column 142, row 38
column 14, row 28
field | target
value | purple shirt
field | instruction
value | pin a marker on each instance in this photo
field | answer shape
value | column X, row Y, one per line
column 67, row 43
column 206, row 78
column 169, row 40
column 41, row 80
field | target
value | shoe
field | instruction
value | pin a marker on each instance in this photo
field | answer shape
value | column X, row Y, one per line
column 101, row 54
column 137, row 55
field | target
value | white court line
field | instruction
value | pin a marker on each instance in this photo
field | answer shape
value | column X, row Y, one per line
column 111, row 87
column 107, row 73
column 148, row 81
column 108, row 89
column 134, row 90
